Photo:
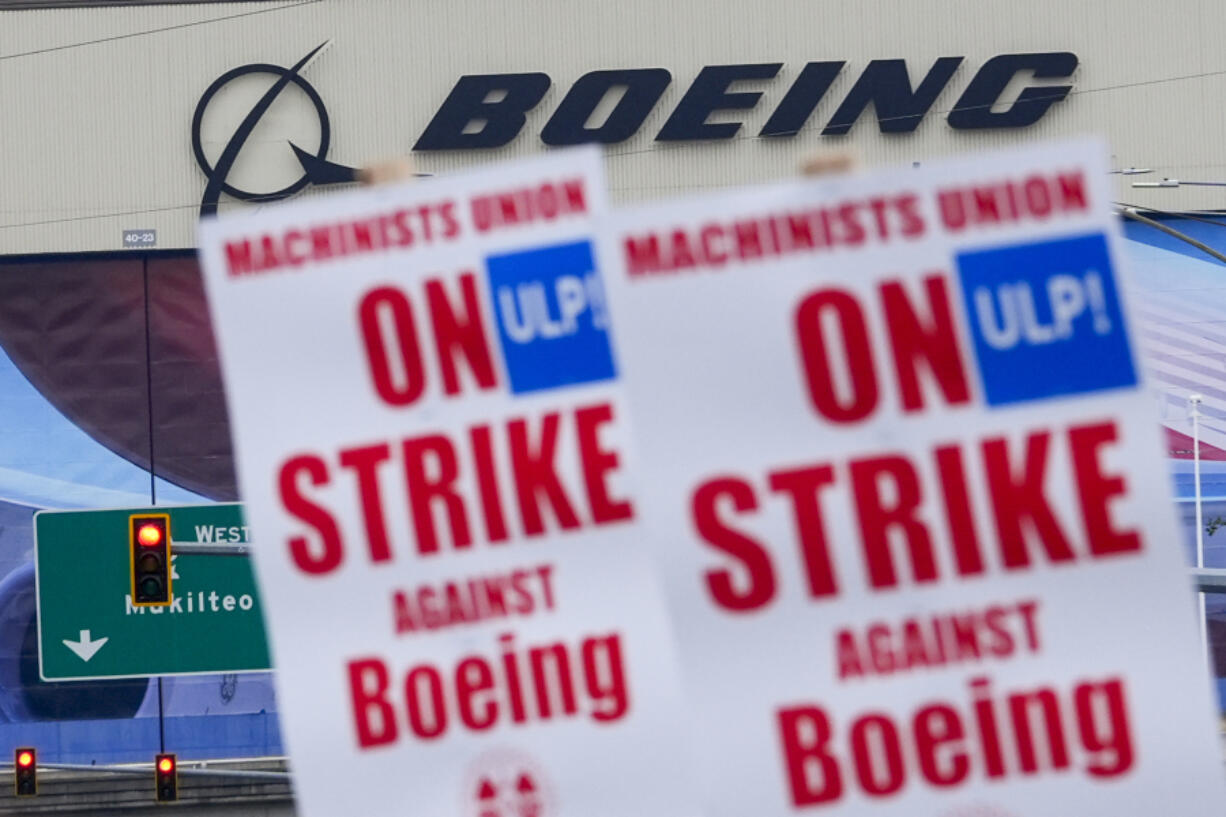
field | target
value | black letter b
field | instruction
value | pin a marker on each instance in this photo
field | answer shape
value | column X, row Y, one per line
column 468, row 103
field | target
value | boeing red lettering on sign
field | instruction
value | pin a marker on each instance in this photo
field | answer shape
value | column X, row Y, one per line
column 489, row 110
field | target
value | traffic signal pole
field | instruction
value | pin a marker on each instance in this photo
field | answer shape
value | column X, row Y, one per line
column 210, row 549
column 152, row 548
column 161, row 719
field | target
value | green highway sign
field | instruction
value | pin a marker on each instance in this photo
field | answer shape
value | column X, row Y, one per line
column 88, row 627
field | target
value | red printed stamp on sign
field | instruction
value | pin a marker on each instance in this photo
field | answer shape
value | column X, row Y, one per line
column 507, row 783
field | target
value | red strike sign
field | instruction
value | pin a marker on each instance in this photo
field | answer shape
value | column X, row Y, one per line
column 456, row 587
column 905, row 486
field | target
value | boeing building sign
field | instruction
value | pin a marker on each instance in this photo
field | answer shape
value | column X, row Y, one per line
column 489, row 111
column 501, row 101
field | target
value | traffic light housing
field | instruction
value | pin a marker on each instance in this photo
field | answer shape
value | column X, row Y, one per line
column 166, row 778
column 25, row 771
column 149, row 546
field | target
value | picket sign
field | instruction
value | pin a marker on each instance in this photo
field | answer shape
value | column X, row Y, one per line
column 430, row 439
column 905, row 485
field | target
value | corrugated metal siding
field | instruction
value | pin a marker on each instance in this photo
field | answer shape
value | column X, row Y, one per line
column 96, row 139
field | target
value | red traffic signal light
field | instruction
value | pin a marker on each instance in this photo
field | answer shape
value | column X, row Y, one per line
column 166, row 778
column 25, row 772
column 149, row 549
column 149, row 534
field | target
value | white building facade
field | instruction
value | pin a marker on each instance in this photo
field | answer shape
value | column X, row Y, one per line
column 116, row 120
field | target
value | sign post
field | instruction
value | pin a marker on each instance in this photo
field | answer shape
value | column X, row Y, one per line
column 430, row 438
column 904, row 481
column 90, row 628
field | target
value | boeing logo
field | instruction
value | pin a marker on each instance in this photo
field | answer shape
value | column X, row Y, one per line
column 489, row 111
column 316, row 169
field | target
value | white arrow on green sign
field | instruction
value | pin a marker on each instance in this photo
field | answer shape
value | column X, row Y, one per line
column 88, row 627
column 85, row 648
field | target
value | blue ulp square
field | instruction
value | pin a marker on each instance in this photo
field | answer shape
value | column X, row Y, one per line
column 1046, row 320
column 552, row 320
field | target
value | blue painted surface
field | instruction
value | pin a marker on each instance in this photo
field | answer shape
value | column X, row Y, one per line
column 1213, row 235
column 199, row 737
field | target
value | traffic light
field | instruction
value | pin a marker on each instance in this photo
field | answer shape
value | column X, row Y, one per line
column 166, row 778
column 150, row 551
column 25, row 771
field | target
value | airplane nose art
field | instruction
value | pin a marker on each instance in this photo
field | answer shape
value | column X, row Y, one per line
column 77, row 332
column 23, row 695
